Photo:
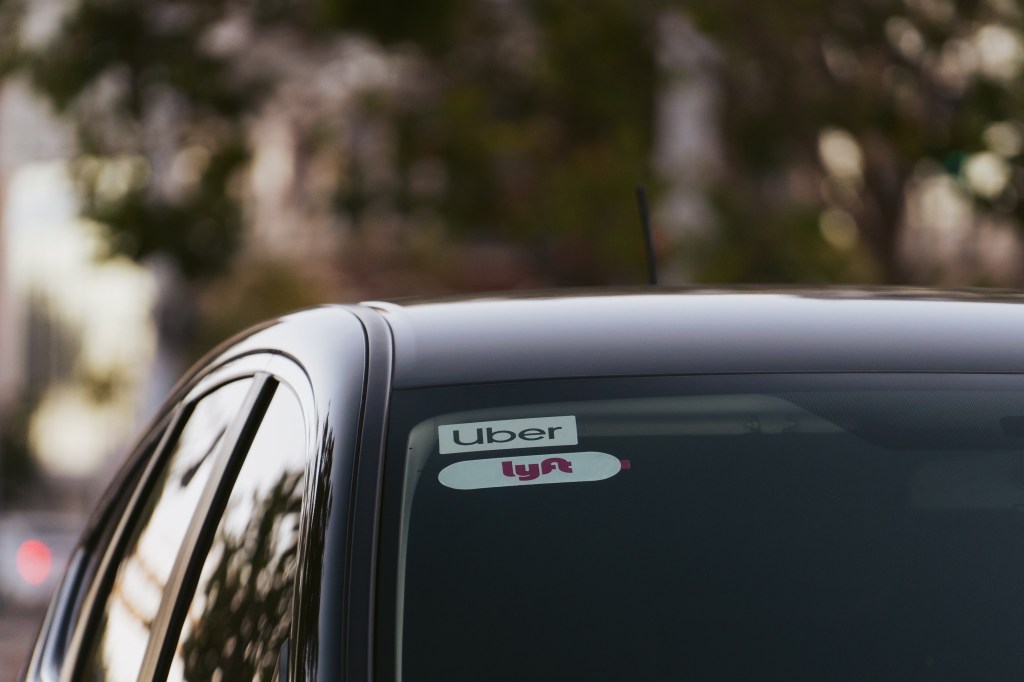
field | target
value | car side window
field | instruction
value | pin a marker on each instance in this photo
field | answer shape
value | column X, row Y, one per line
column 122, row 631
column 240, row 613
column 57, row 630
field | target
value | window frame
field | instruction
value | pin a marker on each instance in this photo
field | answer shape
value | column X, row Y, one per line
column 181, row 584
column 266, row 371
column 281, row 373
column 338, row 361
column 65, row 609
column 199, row 558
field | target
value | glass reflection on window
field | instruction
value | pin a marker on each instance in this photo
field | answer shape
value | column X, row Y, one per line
column 124, row 631
column 240, row 614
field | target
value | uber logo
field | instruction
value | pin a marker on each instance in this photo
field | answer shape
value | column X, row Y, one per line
column 507, row 434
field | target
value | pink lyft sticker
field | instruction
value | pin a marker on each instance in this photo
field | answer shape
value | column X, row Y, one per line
column 505, row 472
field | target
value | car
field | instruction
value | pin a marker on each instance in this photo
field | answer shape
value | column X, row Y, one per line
column 598, row 485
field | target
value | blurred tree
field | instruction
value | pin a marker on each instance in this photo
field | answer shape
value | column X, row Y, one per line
column 529, row 121
column 18, row 470
column 524, row 122
column 842, row 105
column 11, row 12
column 142, row 95
column 539, row 127
column 269, row 289
column 51, row 347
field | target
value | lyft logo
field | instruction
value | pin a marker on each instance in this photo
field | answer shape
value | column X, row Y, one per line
column 507, row 434
column 506, row 472
column 528, row 472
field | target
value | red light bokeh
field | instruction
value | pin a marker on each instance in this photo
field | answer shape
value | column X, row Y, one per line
column 33, row 561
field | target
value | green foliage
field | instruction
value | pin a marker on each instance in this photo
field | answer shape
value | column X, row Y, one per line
column 529, row 121
column 543, row 144
column 152, row 49
column 111, row 67
column 251, row 293
column 780, row 247
column 201, row 231
column 11, row 14
column 19, row 467
column 431, row 24
column 882, row 70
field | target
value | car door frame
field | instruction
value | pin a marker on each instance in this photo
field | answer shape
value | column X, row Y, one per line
column 179, row 409
column 49, row 652
column 322, row 355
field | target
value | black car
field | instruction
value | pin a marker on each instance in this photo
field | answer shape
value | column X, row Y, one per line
column 702, row 486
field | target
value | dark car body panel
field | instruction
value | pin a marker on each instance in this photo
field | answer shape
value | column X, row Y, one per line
column 508, row 339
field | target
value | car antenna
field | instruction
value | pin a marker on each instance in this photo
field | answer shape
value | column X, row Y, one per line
column 645, row 223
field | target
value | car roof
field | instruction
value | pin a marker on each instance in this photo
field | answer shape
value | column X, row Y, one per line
column 673, row 331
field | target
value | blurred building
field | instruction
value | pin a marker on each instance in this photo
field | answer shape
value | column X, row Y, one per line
column 28, row 135
column 76, row 340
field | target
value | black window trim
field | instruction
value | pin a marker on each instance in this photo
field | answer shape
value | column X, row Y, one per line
column 101, row 586
column 367, row 485
column 85, row 628
column 281, row 372
column 181, row 585
column 51, row 651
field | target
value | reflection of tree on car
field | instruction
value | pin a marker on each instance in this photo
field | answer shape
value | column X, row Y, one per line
column 247, row 582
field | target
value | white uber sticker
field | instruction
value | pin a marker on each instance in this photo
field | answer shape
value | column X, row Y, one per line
column 505, row 472
column 507, row 434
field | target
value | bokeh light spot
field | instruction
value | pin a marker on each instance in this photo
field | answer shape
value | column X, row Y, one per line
column 34, row 561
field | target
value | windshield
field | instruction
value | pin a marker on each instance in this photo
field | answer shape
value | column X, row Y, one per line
column 706, row 529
